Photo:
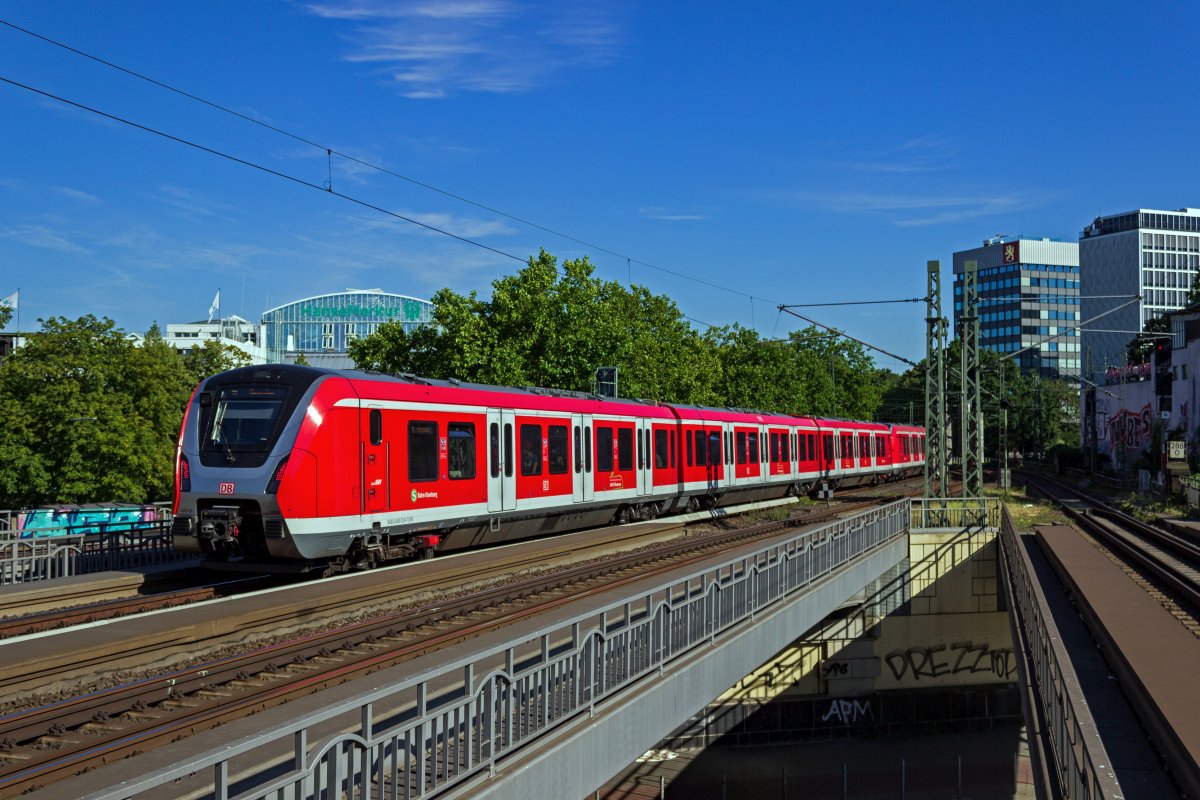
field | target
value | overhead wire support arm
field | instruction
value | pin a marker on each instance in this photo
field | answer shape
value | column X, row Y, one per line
column 853, row 303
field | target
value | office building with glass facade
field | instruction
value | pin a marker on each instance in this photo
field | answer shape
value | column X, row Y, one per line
column 1028, row 301
column 1152, row 255
column 322, row 327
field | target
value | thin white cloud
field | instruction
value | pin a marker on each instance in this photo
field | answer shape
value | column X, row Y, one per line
column 436, row 49
column 671, row 215
column 190, row 204
column 42, row 237
column 77, row 195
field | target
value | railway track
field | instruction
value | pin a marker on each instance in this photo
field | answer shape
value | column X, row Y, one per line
column 44, row 743
column 1166, row 564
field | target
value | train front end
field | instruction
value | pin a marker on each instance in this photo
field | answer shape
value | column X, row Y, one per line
column 237, row 436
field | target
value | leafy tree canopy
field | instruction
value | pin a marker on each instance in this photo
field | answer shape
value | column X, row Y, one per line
column 88, row 416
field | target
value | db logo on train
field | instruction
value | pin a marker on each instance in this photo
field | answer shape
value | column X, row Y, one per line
column 225, row 488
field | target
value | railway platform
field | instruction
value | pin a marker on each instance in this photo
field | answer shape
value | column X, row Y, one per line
column 1140, row 639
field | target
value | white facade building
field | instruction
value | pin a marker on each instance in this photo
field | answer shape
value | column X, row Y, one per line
column 232, row 330
column 1154, row 254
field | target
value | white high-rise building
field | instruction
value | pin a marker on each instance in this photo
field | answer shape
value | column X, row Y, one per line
column 1154, row 254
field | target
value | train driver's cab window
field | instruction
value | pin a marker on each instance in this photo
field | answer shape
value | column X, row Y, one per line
column 531, row 449
column 422, row 451
column 460, row 451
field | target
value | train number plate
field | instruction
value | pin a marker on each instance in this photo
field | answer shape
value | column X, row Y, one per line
column 225, row 488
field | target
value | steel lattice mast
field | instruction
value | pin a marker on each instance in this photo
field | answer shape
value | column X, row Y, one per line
column 972, row 413
column 937, row 432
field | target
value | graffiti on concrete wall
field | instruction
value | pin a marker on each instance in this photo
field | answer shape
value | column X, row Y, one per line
column 1130, row 427
column 929, row 662
column 848, row 712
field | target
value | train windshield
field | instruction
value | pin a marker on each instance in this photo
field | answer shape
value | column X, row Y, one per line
column 244, row 419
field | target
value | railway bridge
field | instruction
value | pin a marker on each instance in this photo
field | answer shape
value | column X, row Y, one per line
column 558, row 703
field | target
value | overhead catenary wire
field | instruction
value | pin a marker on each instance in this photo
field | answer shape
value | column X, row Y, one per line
column 330, row 152
column 254, row 165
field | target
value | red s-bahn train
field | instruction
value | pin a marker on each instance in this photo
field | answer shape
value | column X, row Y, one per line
column 305, row 468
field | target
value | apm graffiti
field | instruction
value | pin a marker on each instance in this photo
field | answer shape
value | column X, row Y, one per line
column 848, row 712
column 960, row 658
column 1130, row 427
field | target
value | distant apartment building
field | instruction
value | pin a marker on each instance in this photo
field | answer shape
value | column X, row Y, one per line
column 1146, row 252
column 1029, row 301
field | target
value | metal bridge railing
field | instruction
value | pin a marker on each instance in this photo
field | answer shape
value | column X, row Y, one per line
column 434, row 730
column 956, row 513
column 28, row 555
column 1081, row 764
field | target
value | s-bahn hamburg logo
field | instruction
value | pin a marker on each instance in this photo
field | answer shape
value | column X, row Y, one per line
column 225, row 488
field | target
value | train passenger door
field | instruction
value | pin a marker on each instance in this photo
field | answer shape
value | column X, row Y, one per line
column 502, row 482
column 583, row 485
column 374, row 453
column 645, row 458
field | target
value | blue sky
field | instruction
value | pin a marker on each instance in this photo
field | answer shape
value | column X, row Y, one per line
column 795, row 152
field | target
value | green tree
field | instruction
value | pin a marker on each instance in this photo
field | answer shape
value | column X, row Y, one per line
column 85, row 415
column 552, row 327
column 1139, row 348
column 212, row 357
column 6, row 314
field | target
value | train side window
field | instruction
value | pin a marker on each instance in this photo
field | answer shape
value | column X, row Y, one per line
column 624, row 449
column 460, row 451
column 641, row 453
column 728, row 447
column 671, row 451
column 604, row 447
column 662, row 458
column 558, row 447
column 784, row 453
column 701, row 451
column 422, row 451
column 494, row 438
column 741, row 447
column 531, row 449
column 828, row 446
column 578, row 450
column 508, row 450
column 714, row 447
column 752, row 440
column 587, row 448
column 376, row 426
column 687, row 437
column 774, row 443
